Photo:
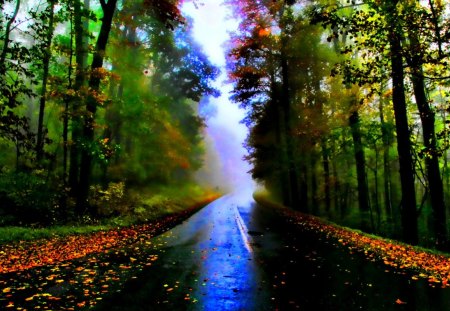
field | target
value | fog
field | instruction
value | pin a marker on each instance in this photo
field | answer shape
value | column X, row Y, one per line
column 224, row 165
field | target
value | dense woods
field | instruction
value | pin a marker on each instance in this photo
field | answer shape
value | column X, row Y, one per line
column 97, row 98
column 347, row 104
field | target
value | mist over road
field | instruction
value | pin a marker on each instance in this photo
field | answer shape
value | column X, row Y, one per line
column 237, row 255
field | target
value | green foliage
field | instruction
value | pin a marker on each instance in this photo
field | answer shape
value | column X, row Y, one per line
column 142, row 126
column 313, row 69
column 109, row 201
column 28, row 198
column 138, row 206
column 11, row 233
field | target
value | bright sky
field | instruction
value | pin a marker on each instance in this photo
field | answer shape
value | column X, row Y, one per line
column 212, row 24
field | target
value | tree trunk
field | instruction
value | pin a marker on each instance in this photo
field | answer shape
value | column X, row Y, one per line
column 284, row 177
column 385, row 137
column 360, row 160
column 326, row 173
column 314, row 201
column 42, row 101
column 408, row 208
column 80, row 80
column 65, row 133
column 91, row 104
column 427, row 117
column 286, row 106
column 336, row 181
column 376, row 201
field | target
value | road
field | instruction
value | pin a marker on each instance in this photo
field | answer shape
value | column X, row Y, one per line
column 236, row 255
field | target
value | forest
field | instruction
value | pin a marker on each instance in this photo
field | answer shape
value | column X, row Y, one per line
column 98, row 108
column 347, row 104
column 104, row 145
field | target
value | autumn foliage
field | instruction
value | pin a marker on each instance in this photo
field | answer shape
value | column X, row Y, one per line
column 417, row 262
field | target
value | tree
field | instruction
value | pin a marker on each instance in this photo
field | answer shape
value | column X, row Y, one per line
column 46, row 47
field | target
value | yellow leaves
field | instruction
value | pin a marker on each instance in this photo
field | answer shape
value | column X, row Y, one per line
column 6, row 290
column 70, row 92
column 433, row 279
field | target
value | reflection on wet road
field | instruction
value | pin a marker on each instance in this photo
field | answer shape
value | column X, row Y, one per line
column 236, row 255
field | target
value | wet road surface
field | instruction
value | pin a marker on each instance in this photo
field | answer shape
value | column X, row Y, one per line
column 236, row 255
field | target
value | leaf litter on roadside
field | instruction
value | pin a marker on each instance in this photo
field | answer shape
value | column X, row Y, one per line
column 422, row 264
column 76, row 272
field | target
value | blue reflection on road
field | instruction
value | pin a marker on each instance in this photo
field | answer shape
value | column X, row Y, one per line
column 227, row 276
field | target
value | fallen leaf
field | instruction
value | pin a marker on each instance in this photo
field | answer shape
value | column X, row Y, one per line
column 400, row 302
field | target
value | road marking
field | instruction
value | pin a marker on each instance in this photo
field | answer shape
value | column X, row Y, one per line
column 243, row 230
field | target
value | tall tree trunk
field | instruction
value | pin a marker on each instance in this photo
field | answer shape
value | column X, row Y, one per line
column 287, row 111
column 427, row 117
column 436, row 188
column 42, row 100
column 323, row 143
column 314, row 201
column 404, row 148
column 336, row 181
column 91, row 104
column 80, row 81
column 65, row 133
column 360, row 160
column 281, row 159
column 376, row 201
column 304, row 186
column 385, row 137
column 326, row 172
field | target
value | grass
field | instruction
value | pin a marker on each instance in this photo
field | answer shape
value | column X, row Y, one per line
column 10, row 234
column 144, row 205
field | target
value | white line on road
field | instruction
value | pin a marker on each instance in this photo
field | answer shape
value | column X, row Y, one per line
column 243, row 230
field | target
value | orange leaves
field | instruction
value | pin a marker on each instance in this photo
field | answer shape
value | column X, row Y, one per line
column 25, row 255
column 400, row 302
column 264, row 32
column 30, row 281
column 435, row 268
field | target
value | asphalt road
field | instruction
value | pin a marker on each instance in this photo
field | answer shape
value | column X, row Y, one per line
column 236, row 255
